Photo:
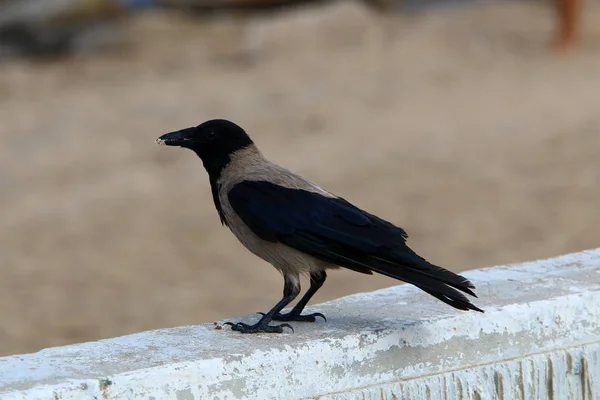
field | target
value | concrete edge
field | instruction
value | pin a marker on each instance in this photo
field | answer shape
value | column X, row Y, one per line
column 375, row 344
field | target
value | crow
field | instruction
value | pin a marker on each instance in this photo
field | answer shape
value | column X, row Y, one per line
column 302, row 229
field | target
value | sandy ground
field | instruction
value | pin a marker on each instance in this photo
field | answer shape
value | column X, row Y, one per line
column 457, row 125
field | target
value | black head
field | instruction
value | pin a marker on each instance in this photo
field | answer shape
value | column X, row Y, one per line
column 213, row 141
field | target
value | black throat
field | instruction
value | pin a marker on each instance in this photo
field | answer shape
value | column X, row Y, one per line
column 214, row 166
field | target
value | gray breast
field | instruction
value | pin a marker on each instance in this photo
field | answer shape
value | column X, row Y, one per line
column 282, row 257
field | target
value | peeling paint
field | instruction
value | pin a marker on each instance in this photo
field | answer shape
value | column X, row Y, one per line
column 185, row 394
column 488, row 382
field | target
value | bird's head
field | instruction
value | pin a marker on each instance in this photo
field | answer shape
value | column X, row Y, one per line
column 213, row 141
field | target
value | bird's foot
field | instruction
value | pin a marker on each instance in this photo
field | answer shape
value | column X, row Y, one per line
column 292, row 316
column 258, row 327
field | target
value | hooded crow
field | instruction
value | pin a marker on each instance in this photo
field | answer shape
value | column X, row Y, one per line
column 300, row 228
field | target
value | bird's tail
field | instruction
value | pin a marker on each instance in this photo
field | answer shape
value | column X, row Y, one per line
column 407, row 266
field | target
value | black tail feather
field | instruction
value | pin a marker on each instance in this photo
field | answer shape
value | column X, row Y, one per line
column 464, row 305
column 436, row 281
column 409, row 259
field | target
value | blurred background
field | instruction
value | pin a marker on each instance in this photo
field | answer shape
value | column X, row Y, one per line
column 453, row 119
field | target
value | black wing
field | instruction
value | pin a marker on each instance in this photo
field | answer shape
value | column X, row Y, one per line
column 334, row 230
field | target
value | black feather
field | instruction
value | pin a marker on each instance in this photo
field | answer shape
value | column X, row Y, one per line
column 334, row 230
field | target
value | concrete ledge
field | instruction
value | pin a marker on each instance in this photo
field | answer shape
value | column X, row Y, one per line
column 539, row 339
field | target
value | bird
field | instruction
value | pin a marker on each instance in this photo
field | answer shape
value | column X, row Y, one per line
column 302, row 229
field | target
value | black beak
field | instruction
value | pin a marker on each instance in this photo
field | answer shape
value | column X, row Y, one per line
column 183, row 138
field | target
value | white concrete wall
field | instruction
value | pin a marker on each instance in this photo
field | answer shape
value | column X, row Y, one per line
column 539, row 339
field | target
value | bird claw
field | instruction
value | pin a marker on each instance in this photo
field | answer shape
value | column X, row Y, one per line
column 291, row 316
column 258, row 328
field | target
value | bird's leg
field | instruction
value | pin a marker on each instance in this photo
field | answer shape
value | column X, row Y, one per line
column 316, row 281
column 291, row 289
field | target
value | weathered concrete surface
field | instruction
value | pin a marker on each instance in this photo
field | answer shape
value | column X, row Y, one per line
column 539, row 339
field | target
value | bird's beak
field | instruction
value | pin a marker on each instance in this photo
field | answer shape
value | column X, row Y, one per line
column 183, row 138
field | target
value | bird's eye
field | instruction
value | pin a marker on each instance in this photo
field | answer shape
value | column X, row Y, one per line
column 210, row 134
